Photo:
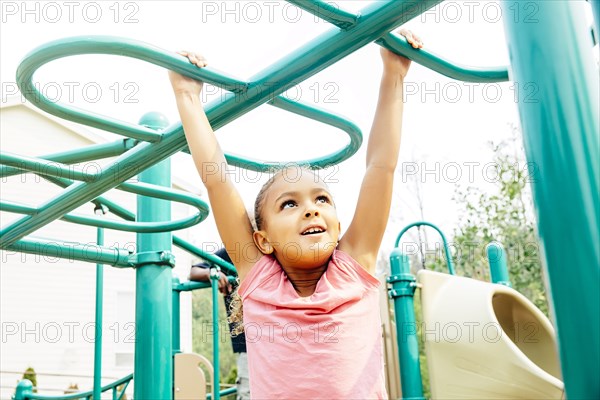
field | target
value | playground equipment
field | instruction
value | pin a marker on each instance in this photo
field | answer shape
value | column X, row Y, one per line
column 561, row 138
column 482, row 340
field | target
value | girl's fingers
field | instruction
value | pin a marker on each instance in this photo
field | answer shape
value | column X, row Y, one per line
column 196, row 59
column 411, row 38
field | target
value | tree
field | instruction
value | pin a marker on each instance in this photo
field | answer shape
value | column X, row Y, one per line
column 504, row 214
column 32, row 376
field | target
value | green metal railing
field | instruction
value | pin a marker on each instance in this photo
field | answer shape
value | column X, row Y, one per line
column 24, row 391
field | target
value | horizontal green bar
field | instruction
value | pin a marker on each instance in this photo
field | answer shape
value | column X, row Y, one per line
column 329, row 12
column 398, row 44
column 193, row 285
column 46, row 167
column 225, row 392
column 89, row 252
column 228, row 268
column 88, row 153
column 51, row 168
column 80, row 395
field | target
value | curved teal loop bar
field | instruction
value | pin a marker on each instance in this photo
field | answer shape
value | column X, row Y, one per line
column 316, row 114
column 112, row 46
column 444, row 241
column 55, row 169
column 145, row 52
column 139, row 227
column 398, row 44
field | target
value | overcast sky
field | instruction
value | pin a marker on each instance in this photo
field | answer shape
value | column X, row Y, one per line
column 447, row 124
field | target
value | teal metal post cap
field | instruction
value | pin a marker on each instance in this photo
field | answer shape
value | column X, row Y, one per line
column 154, row 120
column 24, row 388
column 397, row 253
column 498, row 264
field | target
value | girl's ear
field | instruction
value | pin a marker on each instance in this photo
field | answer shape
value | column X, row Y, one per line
column 262, row 242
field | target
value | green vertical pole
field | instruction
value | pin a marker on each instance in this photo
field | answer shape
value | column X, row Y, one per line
column 498, row 266
column 101, row 210
column 552, row 63
column 402, row 292
column 153, row 368
column 214, row 280
column 176, row 320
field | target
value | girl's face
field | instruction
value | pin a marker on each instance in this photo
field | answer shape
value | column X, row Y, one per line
column 301, row 227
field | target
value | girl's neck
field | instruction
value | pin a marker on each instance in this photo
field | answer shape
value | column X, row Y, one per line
column 305, row 280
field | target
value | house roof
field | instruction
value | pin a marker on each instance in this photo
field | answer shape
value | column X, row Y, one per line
column 82, row 131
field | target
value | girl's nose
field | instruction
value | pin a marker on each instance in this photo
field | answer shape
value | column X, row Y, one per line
column 310, row 213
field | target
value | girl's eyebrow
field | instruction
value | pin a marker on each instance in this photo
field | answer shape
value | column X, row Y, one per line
column 292, row 194
column 285, row 194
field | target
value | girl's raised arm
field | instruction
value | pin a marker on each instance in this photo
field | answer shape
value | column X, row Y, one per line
column 226, row 203
column 364, row 235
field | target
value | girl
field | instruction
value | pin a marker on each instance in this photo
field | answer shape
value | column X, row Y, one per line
column 311, row 305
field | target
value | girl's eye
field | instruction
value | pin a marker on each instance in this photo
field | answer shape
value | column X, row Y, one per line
column 288, row 204
column 322, row 199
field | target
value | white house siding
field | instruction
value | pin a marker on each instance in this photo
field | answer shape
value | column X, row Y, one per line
column 47, row 304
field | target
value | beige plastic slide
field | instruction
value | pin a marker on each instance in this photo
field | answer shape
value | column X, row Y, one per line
column 486, row 341
column 190, row 382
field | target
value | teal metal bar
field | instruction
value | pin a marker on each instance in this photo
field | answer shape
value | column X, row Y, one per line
column 44, row 168
column 329, row 12
column 596, row 13
column 498, row 267
column 153, row 365
column 141, row 227
column 74, row 396
column 214, row 280
column 190, row 248
column 231, row 390
column 402, row 290
column 89, row 153
column 317, row 114
column 444, row 241
column 551, row 49
column 77, row 194
column 111, row 46
column 87, row 252
column 176, row 317
column 188, row 286
column 424, row 57
column 99, row 319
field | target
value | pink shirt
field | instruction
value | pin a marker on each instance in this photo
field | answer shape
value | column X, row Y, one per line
column 325, row 346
